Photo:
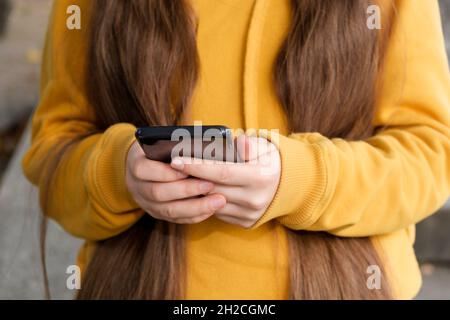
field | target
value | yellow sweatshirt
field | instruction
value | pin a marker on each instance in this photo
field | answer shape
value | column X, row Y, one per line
column 379, row 187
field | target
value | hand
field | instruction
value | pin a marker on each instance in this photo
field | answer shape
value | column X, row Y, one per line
column 248, row 187
column 167, row 194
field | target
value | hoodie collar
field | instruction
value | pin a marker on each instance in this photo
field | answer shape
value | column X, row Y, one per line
column 251, row 70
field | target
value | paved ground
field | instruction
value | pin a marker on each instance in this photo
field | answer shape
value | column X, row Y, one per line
column 436, row 282
column 20, row 52
column 20, row 272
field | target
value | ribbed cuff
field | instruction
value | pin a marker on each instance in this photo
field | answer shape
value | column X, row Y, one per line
column 106, row 174
column 303, row 181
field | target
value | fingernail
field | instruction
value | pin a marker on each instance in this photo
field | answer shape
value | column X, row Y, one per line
column 177, row 164
column 218, row 203
column 205, row 186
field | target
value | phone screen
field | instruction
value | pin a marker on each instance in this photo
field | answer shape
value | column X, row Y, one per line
column 208, row 142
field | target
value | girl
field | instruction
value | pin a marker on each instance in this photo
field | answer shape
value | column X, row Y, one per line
column 362, row 154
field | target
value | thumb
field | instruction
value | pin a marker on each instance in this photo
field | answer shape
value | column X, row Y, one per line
column 243, row 147
column 251, row 148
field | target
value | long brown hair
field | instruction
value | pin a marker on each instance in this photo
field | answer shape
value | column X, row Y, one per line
column 142, row 67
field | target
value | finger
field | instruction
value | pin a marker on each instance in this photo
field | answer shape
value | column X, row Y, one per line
column 234, row 221
column 194, row 220
column 190, row 208
column 219, row 172
column 176, row 190
column 238, row 212
column 240, row 196
column 251, row 148
column 243, row 147
column 150, row 170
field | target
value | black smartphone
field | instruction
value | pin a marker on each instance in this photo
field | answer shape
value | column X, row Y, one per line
column 162, row 143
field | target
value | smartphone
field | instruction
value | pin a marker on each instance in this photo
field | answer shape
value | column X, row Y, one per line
column 162, row 143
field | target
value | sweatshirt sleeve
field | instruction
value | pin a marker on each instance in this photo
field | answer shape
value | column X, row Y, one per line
column 395, row 178
column 84, row 181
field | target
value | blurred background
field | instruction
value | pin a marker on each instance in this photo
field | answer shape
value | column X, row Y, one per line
column 22, row 31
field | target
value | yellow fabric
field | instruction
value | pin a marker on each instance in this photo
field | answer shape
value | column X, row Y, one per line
column 380, row 187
